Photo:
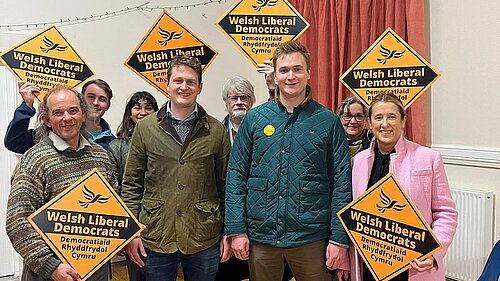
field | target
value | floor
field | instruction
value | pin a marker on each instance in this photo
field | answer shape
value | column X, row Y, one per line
column 119, row 273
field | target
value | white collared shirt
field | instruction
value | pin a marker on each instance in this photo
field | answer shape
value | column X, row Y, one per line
column 231, row 128
column 61, row 145
column 188, row 118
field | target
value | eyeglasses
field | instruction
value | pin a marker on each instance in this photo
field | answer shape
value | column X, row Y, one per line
column 235, row 98
column 357, row 117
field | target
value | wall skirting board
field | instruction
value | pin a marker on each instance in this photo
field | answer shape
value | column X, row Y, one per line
column 469, row 156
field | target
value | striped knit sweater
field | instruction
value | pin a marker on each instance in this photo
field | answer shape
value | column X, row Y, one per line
column 41, row 174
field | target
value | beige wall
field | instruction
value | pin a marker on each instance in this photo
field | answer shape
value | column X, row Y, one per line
column 464, row 47
column 465, row 101
column 106, row 43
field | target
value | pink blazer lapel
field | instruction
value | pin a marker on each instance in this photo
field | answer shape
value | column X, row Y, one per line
column 362, row 176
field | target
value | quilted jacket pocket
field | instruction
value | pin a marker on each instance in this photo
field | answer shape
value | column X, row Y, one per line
column 314, row 202
column 257, row 198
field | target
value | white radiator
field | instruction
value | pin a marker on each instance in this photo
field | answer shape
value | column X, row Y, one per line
column 473, row 240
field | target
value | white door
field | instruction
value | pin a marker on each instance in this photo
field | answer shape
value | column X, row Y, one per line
column 9, row 262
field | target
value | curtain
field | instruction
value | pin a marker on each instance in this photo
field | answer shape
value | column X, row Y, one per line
column 341, row 30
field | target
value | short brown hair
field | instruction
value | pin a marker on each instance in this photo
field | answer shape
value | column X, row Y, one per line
column 290, row 47
column 188, row 61
column 101, row 84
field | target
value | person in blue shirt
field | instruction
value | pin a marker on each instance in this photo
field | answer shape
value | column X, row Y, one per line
column 96, row 93
column 18, row 137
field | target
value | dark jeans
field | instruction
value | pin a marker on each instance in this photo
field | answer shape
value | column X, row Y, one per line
column 134, row 271
column 200, row 266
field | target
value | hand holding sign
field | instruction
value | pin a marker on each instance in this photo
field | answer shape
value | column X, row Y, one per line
column 85, row 226
column 46, row 59
column 268, row 70
column 388, row 231
column 258, row 29
column 424, row 265
column 64, row 272
column 28, row 92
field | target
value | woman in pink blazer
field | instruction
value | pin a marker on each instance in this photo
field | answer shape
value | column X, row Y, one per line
column 421, row 173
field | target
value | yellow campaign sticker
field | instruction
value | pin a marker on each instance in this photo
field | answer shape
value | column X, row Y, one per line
column 86, row 224
column 269, row 130
column 258, row 27
column 47, row 59
column 387, row 229
column 389, row 65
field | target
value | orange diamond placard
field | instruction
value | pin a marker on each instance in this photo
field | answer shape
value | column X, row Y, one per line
column 387, row 229
column 257, row 27
column 166, row 39
column 389, row 65
column 47, row 59
column 86, row 224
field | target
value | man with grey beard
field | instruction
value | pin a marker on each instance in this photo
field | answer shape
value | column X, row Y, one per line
column 238, row 95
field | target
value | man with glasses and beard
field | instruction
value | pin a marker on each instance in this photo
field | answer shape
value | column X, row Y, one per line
column 238, row 95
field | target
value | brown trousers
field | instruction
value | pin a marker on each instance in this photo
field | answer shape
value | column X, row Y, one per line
column 307, row 262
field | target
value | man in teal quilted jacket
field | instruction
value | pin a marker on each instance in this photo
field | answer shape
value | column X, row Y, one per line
column 288, row 175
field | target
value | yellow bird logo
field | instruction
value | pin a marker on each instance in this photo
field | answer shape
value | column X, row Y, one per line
column 50, row 45
column 388, row 203
column 92, row 198
column 389, row 54
column 168, row 36
column 262, row 3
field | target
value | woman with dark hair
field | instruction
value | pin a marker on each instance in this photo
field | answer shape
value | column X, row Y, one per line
column 353, row 115
column 140, row 105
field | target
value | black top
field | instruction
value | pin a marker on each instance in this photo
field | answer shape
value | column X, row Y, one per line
column 380, row 167
column 379, row 170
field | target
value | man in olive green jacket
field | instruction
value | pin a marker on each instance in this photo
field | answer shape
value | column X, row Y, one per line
column 174, row 182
